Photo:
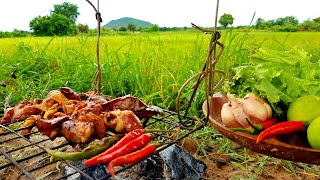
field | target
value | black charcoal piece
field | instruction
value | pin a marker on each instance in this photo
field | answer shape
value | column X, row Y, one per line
column 174, row 162
column 96, row 172
column 182, row 164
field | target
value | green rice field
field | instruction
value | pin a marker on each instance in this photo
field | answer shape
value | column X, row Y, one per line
column 152, row 66
column 149, row 65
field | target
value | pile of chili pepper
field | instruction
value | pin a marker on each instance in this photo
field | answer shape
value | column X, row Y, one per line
column 132, row 148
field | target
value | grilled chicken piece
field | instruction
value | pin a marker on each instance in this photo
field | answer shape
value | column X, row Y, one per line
column 57, row 96
column 20, row 112
column 133, row 104
column 77, row 131
column 69, row 107
column 49, row 127
column 93, row 96
column 44, row 105
column 123, row 121
column 7, row 116
column 90, row 96
column 100, row 127
column 80, row 117
column 69, row 93
column 29, row 123
column 79, row 121
column 83, row 115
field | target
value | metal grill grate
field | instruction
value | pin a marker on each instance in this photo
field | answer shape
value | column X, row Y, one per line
column 25, row 157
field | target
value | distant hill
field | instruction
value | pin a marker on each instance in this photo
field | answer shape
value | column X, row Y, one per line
column 127, row 20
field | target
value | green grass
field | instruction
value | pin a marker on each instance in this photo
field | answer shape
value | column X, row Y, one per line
column 152, row 66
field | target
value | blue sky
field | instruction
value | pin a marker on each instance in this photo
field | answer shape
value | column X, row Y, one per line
column 170, row 13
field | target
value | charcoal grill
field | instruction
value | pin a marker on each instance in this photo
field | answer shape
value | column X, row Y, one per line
column 37, row 162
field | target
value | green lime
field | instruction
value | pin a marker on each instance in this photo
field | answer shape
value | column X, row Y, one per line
column 313, row 133
column 305, row 108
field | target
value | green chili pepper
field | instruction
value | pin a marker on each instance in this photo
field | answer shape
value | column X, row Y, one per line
column 256, row 130
column 93, row 149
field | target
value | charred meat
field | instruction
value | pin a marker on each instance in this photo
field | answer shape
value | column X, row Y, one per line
column 20, row 112
column 133, row 104
column 80, row 118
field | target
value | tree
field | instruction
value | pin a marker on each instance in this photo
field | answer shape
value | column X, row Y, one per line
column 226, row 19
column 317, row 20
column 83, row 28
column 67, row 9
column 122, row 28
column 131, row 27
column 154, row 28
column 39, row 25
column 310, row 25
column 288, row 20
column 291, row 20
column 55, row 24
column 260, row 23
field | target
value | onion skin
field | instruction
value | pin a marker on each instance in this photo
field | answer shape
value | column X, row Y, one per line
column 240, row 116
column 256, row 107
column 269, row 110
column 227, row 116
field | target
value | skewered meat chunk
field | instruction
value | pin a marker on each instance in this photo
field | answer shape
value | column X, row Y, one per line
column 69, row 107
column 123, row 121
column 57, row 96
column 7, row 116
column 80, row 117
column 100, row 127
column 48, row 127
column 93, row 96
column 77, row 131
column 133, row 104
column 69, row 93
column 29, row 123
column 19, row 112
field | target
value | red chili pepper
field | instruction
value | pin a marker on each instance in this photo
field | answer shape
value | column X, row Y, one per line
column 281, row 128
column 125, row 140
column 133, row 145
column 269, row 122
column 131, row 158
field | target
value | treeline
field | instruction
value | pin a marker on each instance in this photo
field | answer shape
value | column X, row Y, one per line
column 288, row 24
column 61, row 22
column 84, row 29
column 153, row 28
column 14, row 33
column 285, row 24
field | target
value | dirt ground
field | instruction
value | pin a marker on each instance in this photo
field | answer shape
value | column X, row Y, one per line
column 219, row 166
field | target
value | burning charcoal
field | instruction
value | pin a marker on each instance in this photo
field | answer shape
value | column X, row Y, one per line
column 181, row 163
